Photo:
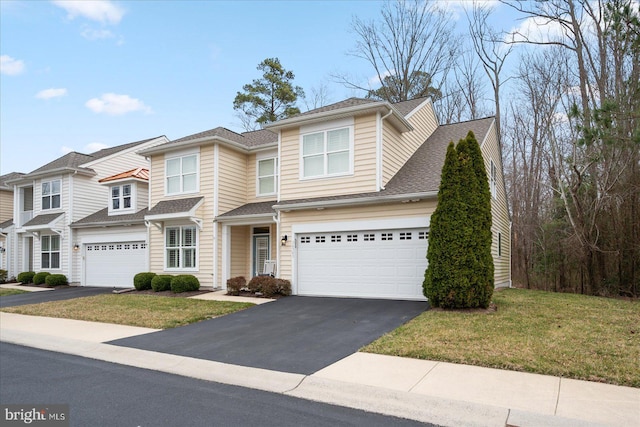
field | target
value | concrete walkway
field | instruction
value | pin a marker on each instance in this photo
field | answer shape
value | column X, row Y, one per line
column 436, row 392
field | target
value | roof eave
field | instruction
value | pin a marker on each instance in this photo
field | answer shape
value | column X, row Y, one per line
column 372, row 200
column 204, row 141
column 108, row 223
column 244, row 218
column 56, row 171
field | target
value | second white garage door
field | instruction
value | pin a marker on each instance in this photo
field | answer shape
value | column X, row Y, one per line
column 366, row 264
column 114, row 264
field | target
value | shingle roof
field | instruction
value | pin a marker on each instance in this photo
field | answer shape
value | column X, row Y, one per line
column 247, row 139
column 139, row 173
column 421, row 173
column 349, row 102
column 6, row 224
column 74, row 159
column 8, row 177
column 43, row 219
column 260, row 208
column 405, row 107
column 102, row 217
column 174, row 206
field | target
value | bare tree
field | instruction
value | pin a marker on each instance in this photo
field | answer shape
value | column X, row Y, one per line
column 411, row 49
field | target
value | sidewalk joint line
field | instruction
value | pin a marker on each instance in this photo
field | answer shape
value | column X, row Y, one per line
column 423, row 377
column 297, row 385
column 506, row 422
column 555, row 410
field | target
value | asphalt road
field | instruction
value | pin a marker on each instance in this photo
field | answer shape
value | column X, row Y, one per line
column 54, row 295
column 105, row 394
column 295, row 334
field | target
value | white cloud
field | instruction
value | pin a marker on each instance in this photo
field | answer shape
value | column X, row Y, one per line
column 89, row 148
column 51, row 93
column 66, row 150
column 537, row 29
column 11, row 66
column 92, row 34
column 376, row 81
column 114, row 104
column 103, row 11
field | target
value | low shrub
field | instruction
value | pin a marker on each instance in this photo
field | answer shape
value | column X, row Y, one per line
column 3, row 275
column 26, row 276
column 284, row 287
column 39, row 278
column 142, row 281
column 56, row 280
column 184, row 283
column 256, row 284
column 161, row 282
column 269, row 286
column 235, row 285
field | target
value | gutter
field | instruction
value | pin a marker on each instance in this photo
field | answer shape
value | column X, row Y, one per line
column 31, row 176
column 201, row 141
column 411, row 197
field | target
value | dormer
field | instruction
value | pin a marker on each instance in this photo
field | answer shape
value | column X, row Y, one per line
column 128, row 191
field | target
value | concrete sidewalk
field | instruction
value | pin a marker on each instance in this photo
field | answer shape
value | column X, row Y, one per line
column 436, row 392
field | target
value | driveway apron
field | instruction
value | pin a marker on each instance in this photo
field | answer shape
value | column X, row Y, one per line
column 295, row 334
column 54, row 295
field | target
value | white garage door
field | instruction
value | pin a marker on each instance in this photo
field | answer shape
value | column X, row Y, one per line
column 368, row 264
column 114, row 264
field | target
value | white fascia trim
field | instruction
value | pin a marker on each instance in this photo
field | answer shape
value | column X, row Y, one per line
column 248, row 219
column 133, row 149
column 205, row 141
column 108, row 224
column 56, row 172
column 356, row 201
column 376, row 224
column 486, row 136
column 419, row 107
column 319, row 117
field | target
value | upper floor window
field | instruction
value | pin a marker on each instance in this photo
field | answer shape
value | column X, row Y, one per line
column 492, row 180
column 50, row 251
column 51, row 194
column 327, row 153
column 267, row 176
column 181, row 174
column 181, row 244
column 121, row 197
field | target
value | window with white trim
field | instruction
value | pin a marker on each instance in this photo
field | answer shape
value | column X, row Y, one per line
column 51, row 194
column 121, row 197
column 492, row 180
column 181, row 244
column 267, row 176
column 327, row 153
column 181, row 174
column 50, row 252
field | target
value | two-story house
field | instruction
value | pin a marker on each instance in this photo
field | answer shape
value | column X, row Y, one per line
column 339, row 197
column 48, row 200
column 6, row 217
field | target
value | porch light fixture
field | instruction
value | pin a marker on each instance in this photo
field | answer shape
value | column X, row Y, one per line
column 2, row 250
column 76, row 247
column 284, row 239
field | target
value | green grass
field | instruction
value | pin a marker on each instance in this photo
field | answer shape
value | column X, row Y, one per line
column 4, row 292
column 147, row 311
column 573, row 336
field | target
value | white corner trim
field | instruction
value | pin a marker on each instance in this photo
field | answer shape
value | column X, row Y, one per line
column 376, row 224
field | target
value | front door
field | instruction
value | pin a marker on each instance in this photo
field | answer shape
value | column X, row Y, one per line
column 260, row 253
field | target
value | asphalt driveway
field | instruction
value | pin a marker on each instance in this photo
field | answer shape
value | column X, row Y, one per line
column 294, row 334
column 53, row 295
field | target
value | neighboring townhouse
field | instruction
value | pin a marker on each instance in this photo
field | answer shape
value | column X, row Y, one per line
column 339, row 197
column 6, row 217
column 48, row 200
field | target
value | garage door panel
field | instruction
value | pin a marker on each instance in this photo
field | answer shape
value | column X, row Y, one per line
column 114, row 264
column 371, row 264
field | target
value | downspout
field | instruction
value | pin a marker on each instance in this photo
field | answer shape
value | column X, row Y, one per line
column 70, row 252
column 380, row 150
column 276, row 218
column 217, row 282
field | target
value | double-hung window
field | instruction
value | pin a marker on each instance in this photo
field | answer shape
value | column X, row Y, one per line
column 180, row 247
column 51, row 194
column 327, row 153
column 267, row 177
column 50, row 251
column 121, row 197
column 182, row 174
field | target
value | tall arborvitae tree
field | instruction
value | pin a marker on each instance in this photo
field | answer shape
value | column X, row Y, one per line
column 460, row 270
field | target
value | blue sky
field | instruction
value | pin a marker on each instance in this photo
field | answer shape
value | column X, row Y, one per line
column 86, row 75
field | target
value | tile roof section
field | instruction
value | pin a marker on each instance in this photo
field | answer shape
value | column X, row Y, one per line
column 8, row 177
column 260, row 208
column 6, row 224
column 75, row 160
column 174, row 206
column 139, row 173
column 43, row 219
column 102, row 217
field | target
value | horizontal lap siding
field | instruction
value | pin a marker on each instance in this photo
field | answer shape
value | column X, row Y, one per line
column 363, row 213
column 364, row 176
column 499, row 212
column 6, row 205
column 240, row 252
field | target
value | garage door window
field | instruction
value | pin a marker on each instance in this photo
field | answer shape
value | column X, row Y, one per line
column 50, row 252
column 180, row 247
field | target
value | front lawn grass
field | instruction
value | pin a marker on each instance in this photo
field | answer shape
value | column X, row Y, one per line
column 4, row 292
column 568, row 335
column 147, row 311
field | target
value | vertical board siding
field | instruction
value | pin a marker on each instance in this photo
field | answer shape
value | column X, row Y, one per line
column 499, row 211
column 362, row 213
column 364, row 168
